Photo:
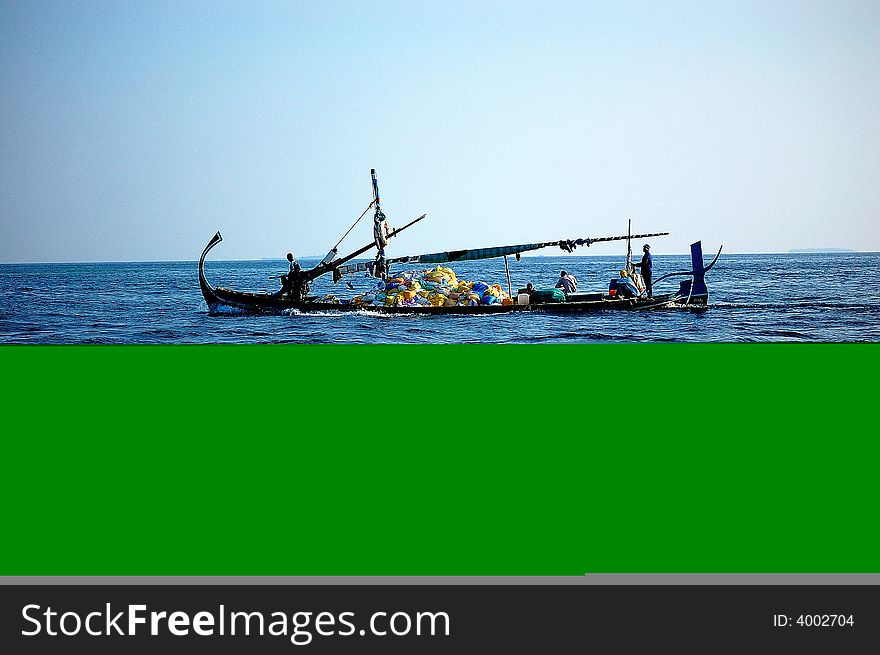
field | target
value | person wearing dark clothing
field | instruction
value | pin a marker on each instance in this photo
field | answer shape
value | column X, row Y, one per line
column 647, row 266
column 294, row 283
column 292, row 270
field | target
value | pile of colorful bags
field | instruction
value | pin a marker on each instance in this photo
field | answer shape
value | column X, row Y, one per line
column 437, row 287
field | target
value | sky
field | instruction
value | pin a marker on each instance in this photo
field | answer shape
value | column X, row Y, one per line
column 133, row 131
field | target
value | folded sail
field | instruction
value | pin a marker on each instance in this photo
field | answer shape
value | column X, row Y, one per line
column 468, row 254
column 471, row 254
column 502, row 251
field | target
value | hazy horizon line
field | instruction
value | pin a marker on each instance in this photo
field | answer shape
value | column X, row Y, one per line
column 318, row 257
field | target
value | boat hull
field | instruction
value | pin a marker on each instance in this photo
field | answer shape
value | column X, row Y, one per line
column 223, row 301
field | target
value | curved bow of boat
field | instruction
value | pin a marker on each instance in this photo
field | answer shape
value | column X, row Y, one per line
column 207, row 290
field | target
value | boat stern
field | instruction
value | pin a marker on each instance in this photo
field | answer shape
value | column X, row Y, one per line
column 693, row 292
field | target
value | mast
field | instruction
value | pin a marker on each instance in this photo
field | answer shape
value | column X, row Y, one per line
column 380, row 228
column 629, row 250
column 375, row 189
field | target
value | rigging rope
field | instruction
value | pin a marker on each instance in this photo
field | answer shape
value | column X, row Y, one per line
column 372, row 202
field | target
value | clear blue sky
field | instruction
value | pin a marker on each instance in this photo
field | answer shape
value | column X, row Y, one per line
column 133, row 131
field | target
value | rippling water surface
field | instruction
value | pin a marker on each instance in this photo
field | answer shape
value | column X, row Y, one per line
column 788, row 297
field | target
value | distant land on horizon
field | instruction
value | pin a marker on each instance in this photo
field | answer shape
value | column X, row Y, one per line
column 802, row 251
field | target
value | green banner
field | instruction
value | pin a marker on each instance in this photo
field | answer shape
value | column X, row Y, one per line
column 438, row 460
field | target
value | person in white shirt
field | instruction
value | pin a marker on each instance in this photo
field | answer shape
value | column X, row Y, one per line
column 567, row 282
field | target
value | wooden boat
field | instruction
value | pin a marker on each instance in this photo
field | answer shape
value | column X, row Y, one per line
column 691, row 294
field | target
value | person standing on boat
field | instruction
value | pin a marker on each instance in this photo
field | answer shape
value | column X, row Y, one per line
column 292, row 270
column 567, row 282
column 647, row 266
column 293, row 283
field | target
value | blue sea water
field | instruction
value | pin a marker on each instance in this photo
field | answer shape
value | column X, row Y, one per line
column 753, row 298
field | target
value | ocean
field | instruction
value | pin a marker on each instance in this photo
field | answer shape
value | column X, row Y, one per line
column 818, row 297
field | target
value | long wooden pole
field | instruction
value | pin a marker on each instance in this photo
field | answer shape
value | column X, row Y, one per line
column 507, row 270
column 321, row 269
